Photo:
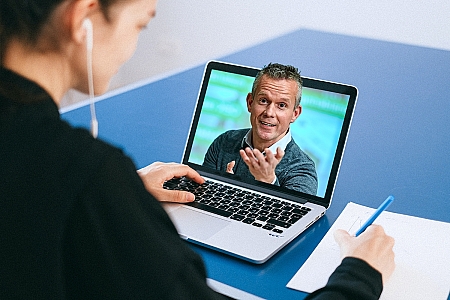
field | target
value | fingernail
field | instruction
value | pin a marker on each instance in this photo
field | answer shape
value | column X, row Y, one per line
column 190, row 197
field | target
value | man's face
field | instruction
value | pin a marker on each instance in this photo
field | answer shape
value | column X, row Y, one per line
column 272, row 110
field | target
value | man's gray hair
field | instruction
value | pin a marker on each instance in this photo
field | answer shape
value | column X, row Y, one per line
column 279, row 71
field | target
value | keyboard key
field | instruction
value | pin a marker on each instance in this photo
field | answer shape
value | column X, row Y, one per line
column 258, row 200
column 283, row 218
column 286, row 213
column 233, row 209
column 170, row 184
column 272, row 215
column 275, row 210
column 214, row 210
column 263, row 212
column 301, row 211
column 278, row 223
column 242, row 212
column 223, row 206
column 252, row 215
column 244, row 207
column 253, row 209
column 248, row 220
column 268, row 227
column 237, row 217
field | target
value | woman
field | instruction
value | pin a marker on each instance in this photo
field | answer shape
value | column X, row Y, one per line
column 77, row 221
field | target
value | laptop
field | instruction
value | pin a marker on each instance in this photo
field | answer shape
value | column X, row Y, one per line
column 238, row 215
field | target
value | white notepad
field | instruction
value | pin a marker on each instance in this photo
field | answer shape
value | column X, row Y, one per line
column 422, row 255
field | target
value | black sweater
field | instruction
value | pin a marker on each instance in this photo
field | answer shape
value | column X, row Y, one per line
column 76, row 221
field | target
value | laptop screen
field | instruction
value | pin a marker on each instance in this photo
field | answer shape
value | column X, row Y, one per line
column 320, row 131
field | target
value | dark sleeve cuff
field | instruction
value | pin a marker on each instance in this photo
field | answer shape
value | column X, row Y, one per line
column 276, row 182
column 352, row 279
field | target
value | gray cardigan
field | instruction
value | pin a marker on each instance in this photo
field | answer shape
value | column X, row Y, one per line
column 295, row 171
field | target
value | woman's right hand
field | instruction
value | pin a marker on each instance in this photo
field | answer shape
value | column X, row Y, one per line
column 373, row 246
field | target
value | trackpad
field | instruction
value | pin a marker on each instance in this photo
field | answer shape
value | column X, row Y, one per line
column 196, row 225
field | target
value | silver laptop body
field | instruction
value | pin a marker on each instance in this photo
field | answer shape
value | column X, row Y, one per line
column 320, row 131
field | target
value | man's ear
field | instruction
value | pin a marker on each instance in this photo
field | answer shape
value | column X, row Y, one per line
column 249, row 101
column 297, row 112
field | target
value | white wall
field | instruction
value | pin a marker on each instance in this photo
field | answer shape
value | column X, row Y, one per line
column 188, row 33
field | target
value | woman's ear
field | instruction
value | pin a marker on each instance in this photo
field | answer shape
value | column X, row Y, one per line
column 76, row 14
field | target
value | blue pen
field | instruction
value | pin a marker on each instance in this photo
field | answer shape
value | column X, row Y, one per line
column 375, row 215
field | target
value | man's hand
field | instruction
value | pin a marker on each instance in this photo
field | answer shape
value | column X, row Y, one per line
column 373, row 246
column 230, row 167
column 156, row 174
column 262, row 167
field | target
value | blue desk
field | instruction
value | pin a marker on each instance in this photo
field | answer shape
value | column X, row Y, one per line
column 399, row 142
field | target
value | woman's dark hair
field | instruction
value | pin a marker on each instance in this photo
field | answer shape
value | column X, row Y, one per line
column 24, row 19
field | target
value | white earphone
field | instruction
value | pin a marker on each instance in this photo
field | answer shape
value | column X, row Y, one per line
column 87, row 25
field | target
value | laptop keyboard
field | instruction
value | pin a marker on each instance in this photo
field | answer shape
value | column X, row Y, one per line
column 251, row 208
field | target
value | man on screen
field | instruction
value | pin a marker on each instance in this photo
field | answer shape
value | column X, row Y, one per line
column 267, row 152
